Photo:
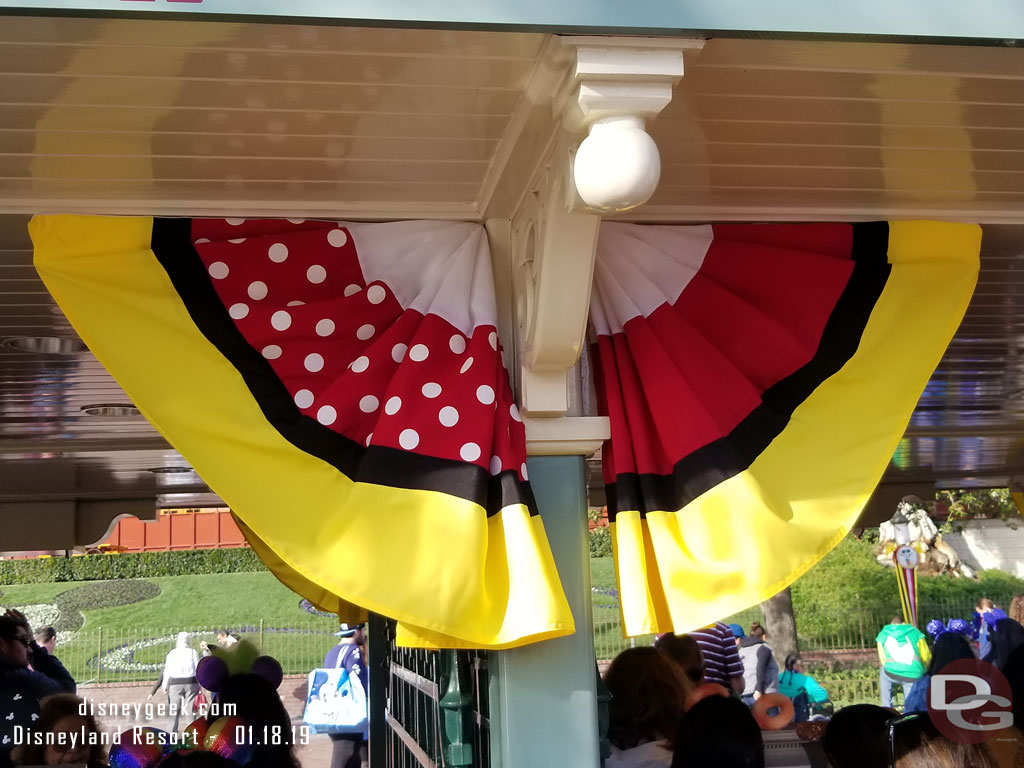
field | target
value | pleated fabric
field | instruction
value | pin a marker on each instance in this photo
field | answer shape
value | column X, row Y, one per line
column 341, row 387
column 758, row 379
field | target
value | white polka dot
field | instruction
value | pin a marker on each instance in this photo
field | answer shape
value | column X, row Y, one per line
column 495, row 466
column 360, row 364
column 237, row 240
column 202, row 240
column 392, row 405
column 219, row 270
column 365, row 332
column 431, row 389
column 316, row 274
column 369, row 437
column 375, row 294
column 278, row 252
column 296, row 221
column 325, row 327
column 485, row 394
column 326, row 415
column 457, row 344
column 257, row 290
column 448, row 416
column 470, row 452
column 281, row 320
column 303, row 398
column 369, row 404
column 272, row 352
column 398, row 352
column 465, row 365
column 522, row 469
column 235, row 222
column 314, row 362
column 296, row 304
column 492, row 339
column 350, row 289
column 409, row 439
column 337, row 237
column 419, row 353
column 513, row 411
column 238, row 311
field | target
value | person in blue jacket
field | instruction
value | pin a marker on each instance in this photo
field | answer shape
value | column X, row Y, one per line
column 793, row 681
column 349, row 749
column 983, row 624
column 949, row 647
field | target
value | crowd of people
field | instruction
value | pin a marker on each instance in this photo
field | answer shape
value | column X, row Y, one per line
column 693, row 700
column 46, row 723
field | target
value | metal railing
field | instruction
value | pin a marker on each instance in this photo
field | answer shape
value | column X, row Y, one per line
column 436, row 708
column 122, row 656
column 819, row 628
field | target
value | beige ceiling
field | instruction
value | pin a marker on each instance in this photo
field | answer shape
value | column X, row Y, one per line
column 190, row 118
column 143, row 115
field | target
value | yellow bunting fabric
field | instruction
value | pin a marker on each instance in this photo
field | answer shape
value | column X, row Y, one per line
column 341, row 387
column 758, row 379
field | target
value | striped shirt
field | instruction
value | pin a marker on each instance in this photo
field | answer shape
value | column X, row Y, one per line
column 721, row 658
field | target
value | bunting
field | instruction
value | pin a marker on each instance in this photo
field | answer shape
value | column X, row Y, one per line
column 757, row 379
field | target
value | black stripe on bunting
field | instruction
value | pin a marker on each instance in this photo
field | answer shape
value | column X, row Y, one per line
column 379, row 465
column 732, row 454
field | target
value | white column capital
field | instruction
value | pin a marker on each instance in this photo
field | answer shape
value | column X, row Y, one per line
column 613, row 86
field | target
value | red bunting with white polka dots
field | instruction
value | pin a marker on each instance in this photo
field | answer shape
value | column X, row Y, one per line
column 341, row 387
column 384, row 334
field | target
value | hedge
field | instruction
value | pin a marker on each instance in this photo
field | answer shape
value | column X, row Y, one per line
column 135, row 565
column 601, row 542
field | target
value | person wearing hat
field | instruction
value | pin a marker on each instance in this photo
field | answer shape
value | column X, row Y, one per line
column 350, row 749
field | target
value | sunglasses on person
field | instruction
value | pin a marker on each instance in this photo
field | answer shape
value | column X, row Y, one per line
column 892, row 725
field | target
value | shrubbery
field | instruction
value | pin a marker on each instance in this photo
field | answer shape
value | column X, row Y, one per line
column 600, row 536
column 129, row 566
column 601, row 542
column 848, row 595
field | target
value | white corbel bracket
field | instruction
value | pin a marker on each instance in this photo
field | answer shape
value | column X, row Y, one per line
column 608, row 86
column 613, row 88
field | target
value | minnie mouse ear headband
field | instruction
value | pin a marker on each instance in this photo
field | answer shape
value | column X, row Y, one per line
column 242, row 657
column 936, row 628
column 228, row 737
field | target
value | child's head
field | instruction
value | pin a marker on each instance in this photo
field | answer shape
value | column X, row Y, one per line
column 60, row 714
column 685, row 652
column 648, row 695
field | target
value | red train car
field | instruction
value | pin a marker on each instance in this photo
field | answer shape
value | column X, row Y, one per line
column 176, row 529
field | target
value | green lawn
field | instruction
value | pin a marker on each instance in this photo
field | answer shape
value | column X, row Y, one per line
column 127, row 637
column 228, row 600
column 27, row 594
column 839, row 603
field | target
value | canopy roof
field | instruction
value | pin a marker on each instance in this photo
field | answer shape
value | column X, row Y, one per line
column 180, row 117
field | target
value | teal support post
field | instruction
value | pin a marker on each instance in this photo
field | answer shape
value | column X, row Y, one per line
column 457, row 710
column 544, row 696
